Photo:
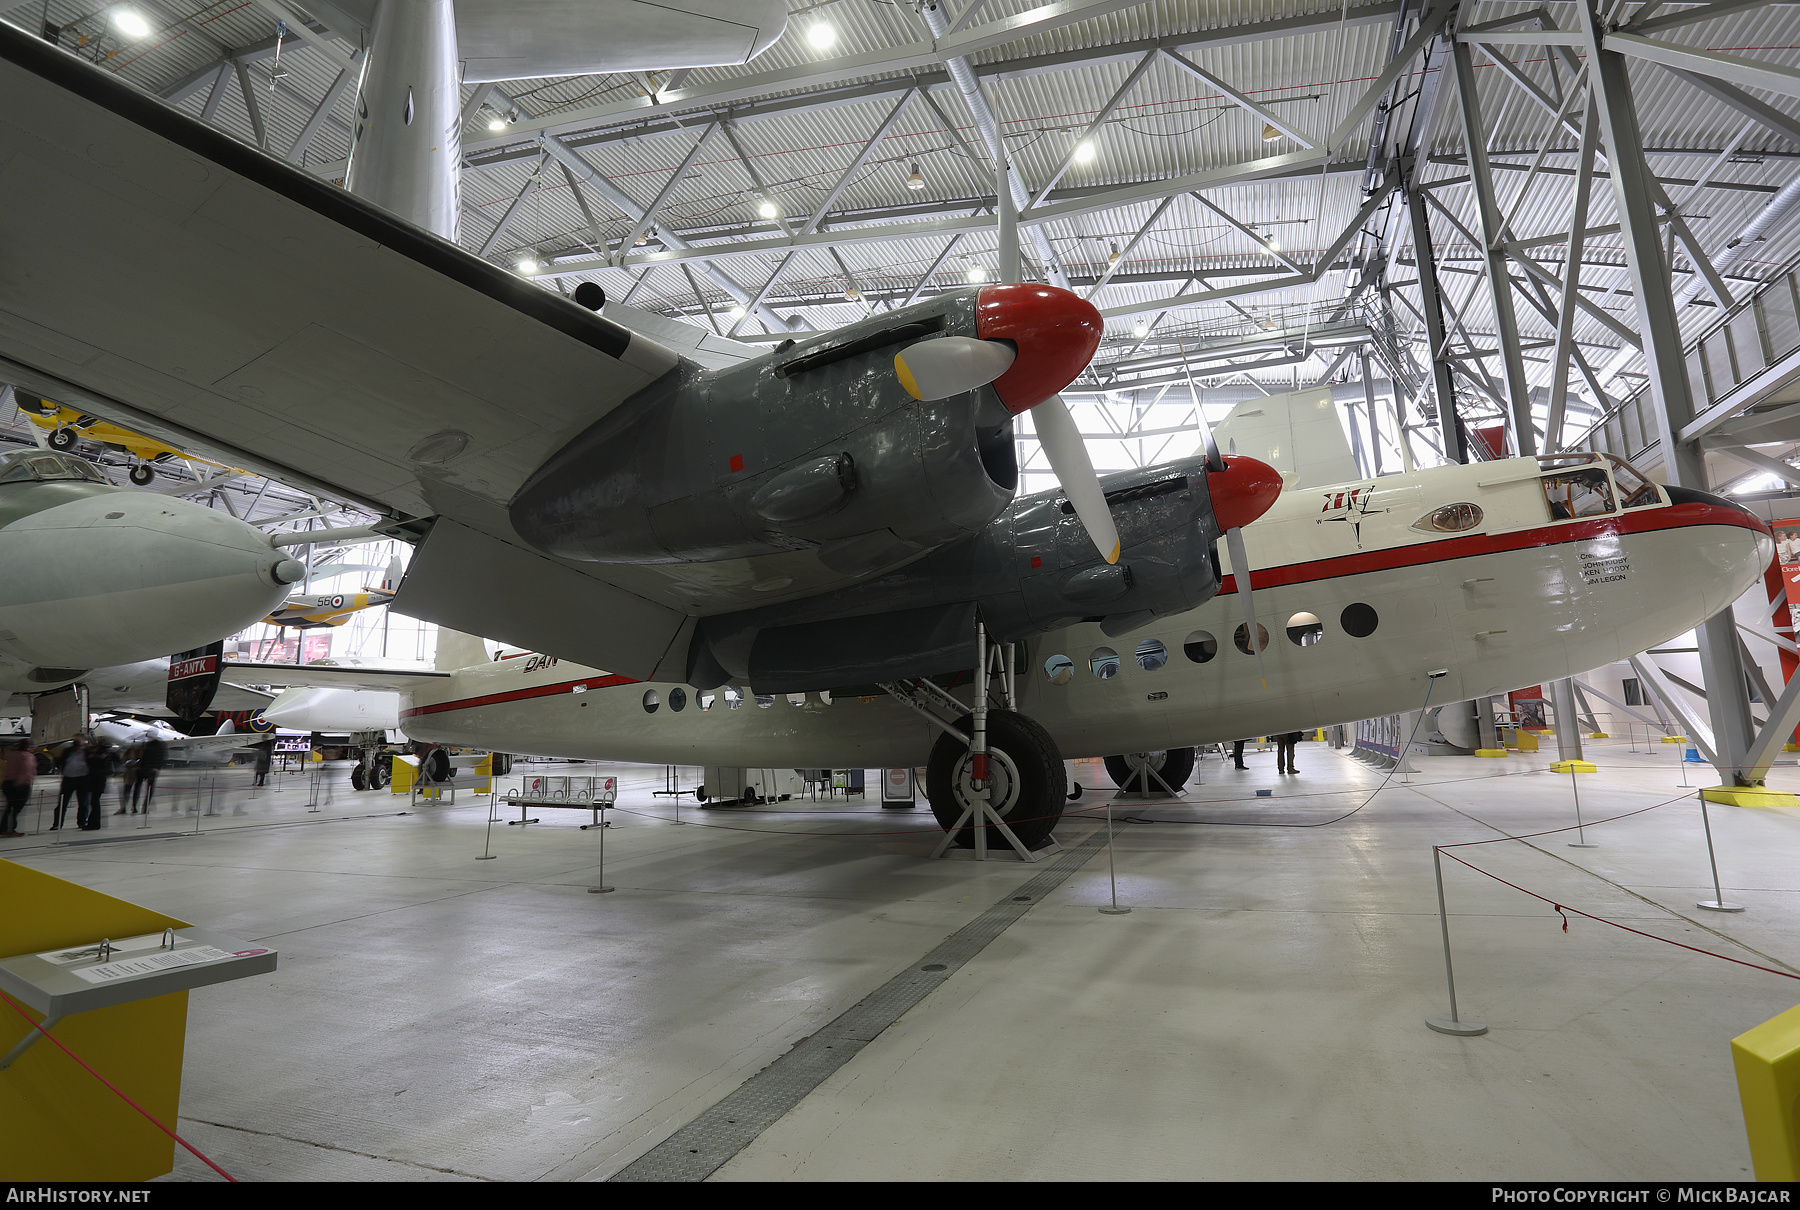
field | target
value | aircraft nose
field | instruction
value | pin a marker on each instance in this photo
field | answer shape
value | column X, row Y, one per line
column 1055, row 331
column 1245, row 490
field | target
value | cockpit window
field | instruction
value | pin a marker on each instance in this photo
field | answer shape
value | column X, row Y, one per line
column 1582, row 493
column 1634, row 489
column 28, row 466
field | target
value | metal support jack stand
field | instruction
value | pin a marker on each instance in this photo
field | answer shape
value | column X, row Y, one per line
column 1717, row 902
column 1453, row 1024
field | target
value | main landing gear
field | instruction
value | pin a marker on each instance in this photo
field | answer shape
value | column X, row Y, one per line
column 1152, row 772
column 995, row 777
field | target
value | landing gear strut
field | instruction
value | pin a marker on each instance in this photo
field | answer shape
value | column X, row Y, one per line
column 995, row 776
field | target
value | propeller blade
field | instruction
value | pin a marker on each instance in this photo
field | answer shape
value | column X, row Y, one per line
column 951, row 365
column 1068, row 456
column 1240, row 570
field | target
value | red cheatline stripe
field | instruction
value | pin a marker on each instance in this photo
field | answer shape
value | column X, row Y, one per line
column 1444, row 550
column 20, row 1009
column 602, row 681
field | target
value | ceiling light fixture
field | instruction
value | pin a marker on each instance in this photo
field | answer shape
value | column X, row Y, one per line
column 130, row 22
column 852, row 294
column 1114, row 258
column 528, row 264
column 1084, row 152
column 768, row 209
column 976, row 274
column 821, row 36
column 1270, row 134
column 736, row 313
column 1140, row 328
column 1274, row 245
column 915, row 181
column 497, row 122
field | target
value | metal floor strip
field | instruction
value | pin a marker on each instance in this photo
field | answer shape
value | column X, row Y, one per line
column 701, row 1147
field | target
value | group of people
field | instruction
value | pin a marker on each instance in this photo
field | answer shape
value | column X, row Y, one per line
column 85, row 764
column 1284, row 752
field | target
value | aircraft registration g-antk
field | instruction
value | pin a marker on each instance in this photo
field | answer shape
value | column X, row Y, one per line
column 1499, row 574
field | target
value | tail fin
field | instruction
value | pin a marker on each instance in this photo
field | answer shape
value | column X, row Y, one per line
column 458, row 650
column 391, row 581
column 1299, row 434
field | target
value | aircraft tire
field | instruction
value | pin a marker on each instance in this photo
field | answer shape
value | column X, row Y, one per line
column 436, row 766
column 62, row 439
column 381, row 772
column 1026, row 769
column 142, row 474
column 359, row 778
column 1173, row 766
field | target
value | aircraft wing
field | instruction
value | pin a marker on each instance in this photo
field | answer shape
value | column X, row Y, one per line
column 322, row 676
column 164, row 276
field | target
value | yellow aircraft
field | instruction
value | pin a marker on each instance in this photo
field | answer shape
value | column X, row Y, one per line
column 334, row 608
column 66, row 427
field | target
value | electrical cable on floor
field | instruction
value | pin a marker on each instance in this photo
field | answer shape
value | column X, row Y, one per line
column 20, row 1009
column 1430, row 684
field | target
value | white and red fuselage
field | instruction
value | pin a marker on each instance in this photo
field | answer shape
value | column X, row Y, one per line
column 1518, row 598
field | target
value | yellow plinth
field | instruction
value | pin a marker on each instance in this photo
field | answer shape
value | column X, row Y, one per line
column 1527, row 742
column 59, row 1122
column 1574, row 766
column 1790, row 747
column 1750, row 796
column 1674, row 739
column 1767, row 1059
column 1598, row 735
column 1490, row 752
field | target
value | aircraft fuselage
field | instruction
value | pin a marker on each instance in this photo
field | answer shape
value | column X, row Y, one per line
column 1516, row 599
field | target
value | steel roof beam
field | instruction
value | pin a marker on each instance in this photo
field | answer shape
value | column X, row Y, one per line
column 923, row 54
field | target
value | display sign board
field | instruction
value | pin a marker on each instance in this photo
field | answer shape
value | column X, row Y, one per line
column 897, row 786
column 1787, row 553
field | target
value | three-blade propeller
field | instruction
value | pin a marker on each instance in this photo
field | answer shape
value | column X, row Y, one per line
column 951, row 365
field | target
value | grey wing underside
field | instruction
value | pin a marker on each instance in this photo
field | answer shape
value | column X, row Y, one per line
column 160, row 274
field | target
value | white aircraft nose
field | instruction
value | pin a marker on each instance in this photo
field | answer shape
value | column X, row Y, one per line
column 128, row 576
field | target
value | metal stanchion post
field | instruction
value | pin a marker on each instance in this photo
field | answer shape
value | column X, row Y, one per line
column 1681, row 759
column 488, row 844
column 1111, row 872
column 1453, row 1024
column 602, row 888
column 1717, row 902
column 1581, row 840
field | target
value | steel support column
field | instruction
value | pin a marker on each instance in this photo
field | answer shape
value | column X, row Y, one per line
column 1634, row 191
column 1506, row 324
column 1450, row 425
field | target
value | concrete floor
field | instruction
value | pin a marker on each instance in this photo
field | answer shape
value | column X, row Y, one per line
column 1258, row 1015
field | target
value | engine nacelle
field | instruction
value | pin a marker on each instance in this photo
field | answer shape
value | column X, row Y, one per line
column 820, row 446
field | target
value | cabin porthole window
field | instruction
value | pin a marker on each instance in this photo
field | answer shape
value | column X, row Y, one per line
column 1359, row 620
column 651, row 701
column 1104, row 663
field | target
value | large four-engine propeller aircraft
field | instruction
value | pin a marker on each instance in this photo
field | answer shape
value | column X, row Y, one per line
column 574, row 486
column 1498, row 574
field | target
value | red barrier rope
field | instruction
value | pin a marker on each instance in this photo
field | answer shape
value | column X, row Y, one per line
column 20, row 1009
column 1562, row 909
